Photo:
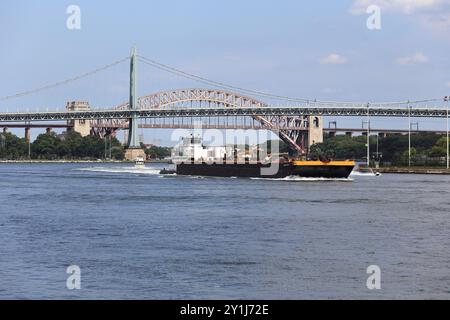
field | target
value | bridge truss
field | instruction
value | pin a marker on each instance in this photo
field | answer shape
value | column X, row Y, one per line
column 289, row 122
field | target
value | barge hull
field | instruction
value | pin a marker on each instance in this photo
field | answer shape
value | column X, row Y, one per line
column 307, row 169
column 318, row 169
column 245, row 170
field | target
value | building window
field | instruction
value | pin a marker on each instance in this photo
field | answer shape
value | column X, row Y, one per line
column 316, row 122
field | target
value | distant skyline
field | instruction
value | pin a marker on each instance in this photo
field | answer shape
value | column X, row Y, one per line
column 309, row 49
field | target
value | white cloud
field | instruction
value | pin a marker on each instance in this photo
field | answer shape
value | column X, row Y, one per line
column 414, row 59
column 333, row 58
column 434, row 14
column 397, row 6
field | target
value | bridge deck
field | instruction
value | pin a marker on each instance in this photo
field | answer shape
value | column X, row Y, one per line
column 202, row 112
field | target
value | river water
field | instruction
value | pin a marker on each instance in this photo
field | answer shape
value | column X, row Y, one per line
column 136, row 234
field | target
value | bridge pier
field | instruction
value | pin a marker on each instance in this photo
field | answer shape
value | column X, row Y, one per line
column 83, row 127
column 134, row 149
column 27, row 134
column 315, row 130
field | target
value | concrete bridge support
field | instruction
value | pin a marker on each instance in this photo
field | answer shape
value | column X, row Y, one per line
column 27, row 135
column 134, row 149
column 83, row 127
column 315, row 130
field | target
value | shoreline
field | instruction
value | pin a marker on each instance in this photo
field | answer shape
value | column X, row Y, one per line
column 388, row 170
column 413, row 170
column 78, row 161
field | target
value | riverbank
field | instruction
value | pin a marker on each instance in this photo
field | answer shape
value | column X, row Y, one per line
column 413, row 170
column 79, row 161
column 400, row 170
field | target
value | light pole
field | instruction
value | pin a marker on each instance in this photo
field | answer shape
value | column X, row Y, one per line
column 104, row 138
column 409, row 135
column 446, row 99
column 368, row 135
column 110, row 148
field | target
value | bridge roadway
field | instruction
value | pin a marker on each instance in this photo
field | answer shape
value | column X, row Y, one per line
column 219, row 112
column 213, row 126
column 35, row 126
column 258, row 126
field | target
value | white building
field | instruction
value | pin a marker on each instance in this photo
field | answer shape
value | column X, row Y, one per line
column 192, row 148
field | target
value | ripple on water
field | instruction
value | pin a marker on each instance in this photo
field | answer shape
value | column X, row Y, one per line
column 136, row 235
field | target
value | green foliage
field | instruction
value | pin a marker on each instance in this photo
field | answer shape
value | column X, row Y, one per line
column 117, row 152
column 394, row 148
column 340, row 147
column 12, row 147
column 268, row 146
column 46, row 146
column 49, row 146
column 440, row 148
column 155, row 152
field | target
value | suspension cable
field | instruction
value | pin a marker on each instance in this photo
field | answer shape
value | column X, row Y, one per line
column 59, row 83
column 223, row 85
column 212, row 82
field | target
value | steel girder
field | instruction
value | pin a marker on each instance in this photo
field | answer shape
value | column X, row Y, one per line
column 203, row 112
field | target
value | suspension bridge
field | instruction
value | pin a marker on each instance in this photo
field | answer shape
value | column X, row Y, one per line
column 299, row 123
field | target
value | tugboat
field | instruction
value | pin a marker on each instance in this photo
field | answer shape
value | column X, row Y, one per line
column 194, row 159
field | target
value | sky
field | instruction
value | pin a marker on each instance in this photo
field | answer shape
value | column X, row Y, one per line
column 310, row 49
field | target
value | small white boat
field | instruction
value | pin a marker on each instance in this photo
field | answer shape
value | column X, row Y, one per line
column 362, row 170
column 139, row 162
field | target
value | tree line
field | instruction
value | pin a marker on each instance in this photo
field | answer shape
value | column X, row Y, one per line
column 68, row 146
column 156, row 152
column 427, row 149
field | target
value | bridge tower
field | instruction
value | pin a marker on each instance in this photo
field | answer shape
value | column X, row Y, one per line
column 315, row 130
column 300, row 132
column 81, row 126
column 134, row 149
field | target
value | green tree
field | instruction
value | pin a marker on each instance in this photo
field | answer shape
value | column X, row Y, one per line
column 92, row 147
column 117, row 152
column 73, row 144
column 440, row 148
column 155, row 152
column 340, row 147
column 46, row 146
column 12, row 147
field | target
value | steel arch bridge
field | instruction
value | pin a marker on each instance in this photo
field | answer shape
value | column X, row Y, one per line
column 290, row 128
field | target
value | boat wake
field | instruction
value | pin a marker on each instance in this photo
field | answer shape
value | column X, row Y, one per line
column 146, row 170
column 363, row 174
column 304, row 179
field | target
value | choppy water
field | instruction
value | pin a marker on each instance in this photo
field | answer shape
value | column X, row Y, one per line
column 136, row 234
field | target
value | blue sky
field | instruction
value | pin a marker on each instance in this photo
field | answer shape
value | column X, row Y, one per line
column 313, row 49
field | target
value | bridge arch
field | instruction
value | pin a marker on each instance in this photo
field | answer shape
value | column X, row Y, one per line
column 197, row 97
column 213, row 97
